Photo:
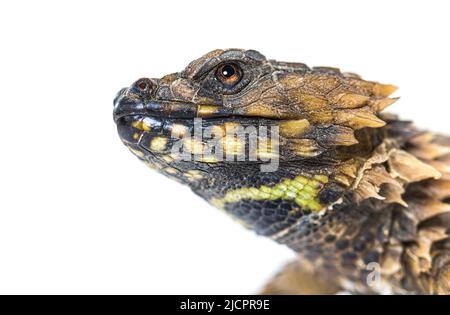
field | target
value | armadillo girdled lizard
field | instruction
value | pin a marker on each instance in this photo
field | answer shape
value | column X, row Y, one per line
column 362, row 197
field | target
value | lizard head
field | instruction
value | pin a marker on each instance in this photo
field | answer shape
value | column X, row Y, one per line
column 250, row 134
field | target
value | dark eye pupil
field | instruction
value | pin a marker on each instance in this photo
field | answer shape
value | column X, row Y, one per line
column 228, row 71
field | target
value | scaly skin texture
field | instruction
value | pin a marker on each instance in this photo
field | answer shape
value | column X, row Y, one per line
column 362, row 197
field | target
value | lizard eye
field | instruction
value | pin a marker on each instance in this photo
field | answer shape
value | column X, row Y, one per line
column 229, row 74
column 227, row 78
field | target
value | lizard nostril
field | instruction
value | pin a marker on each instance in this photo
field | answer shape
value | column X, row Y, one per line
column 144, row 86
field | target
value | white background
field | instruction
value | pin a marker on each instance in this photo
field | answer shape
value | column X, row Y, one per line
column 80, row 214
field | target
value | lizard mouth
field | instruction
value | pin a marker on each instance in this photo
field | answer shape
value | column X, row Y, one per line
column 162, row 109
column 133, row 116
column 157, row 129
column 130, row 105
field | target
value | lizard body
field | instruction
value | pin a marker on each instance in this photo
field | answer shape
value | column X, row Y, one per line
column 362, row 197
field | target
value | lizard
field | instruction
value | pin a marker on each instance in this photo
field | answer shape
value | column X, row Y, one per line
column 361, row 196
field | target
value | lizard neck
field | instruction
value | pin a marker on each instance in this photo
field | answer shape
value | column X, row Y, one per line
column 345, row 244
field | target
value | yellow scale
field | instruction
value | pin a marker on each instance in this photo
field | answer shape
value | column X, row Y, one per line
column 301, row 189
